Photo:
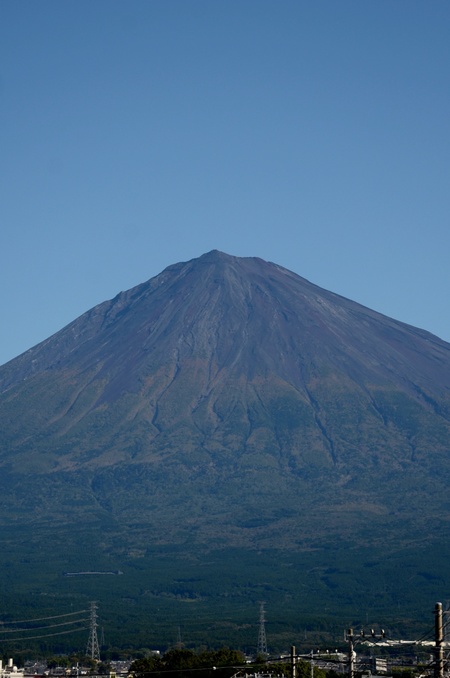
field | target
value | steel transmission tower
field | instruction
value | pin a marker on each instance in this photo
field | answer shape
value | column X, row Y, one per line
column 92, row 649
column 262, row 642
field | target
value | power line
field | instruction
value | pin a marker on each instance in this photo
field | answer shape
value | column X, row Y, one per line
column 48, row 635
column 58, row 616
column 32, row 629
column 48, row 626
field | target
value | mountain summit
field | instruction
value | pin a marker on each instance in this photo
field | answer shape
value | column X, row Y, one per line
column 232, row 354
column 236, row 404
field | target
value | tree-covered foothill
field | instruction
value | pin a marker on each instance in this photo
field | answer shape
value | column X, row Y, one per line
column 223, row 663
column 178, row 662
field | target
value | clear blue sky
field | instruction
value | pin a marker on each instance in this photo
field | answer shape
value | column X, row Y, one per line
column 135, row 134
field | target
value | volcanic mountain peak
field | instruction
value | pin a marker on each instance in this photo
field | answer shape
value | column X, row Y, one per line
column 228, row 402
column 243, row 315
column 230, row 351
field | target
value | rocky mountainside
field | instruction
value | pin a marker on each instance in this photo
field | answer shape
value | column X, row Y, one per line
column 230, row 403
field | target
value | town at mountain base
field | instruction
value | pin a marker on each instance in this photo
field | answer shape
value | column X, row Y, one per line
column 224, row 433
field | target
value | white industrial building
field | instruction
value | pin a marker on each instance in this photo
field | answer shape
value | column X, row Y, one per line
column 10, row 671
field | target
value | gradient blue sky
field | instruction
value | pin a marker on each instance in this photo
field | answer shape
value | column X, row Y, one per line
column 135, row 134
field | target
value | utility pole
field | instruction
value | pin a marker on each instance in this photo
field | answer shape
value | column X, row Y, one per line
column 93, row 650
column 438, row 639
column 352, row 639
column 351, row 654
column 293, row 662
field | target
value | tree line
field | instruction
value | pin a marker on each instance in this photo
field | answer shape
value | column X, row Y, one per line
column 222, row 663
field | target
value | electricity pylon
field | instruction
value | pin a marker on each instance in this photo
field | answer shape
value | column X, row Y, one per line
column 92, row 649
column 262, row 642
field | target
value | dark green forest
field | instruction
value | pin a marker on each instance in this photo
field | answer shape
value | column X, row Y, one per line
column 211, row 598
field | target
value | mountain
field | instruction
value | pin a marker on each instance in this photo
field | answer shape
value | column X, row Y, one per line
column 229, row 412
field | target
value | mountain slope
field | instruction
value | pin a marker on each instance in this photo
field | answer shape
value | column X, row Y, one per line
column 178, row 346
column 230, row 403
